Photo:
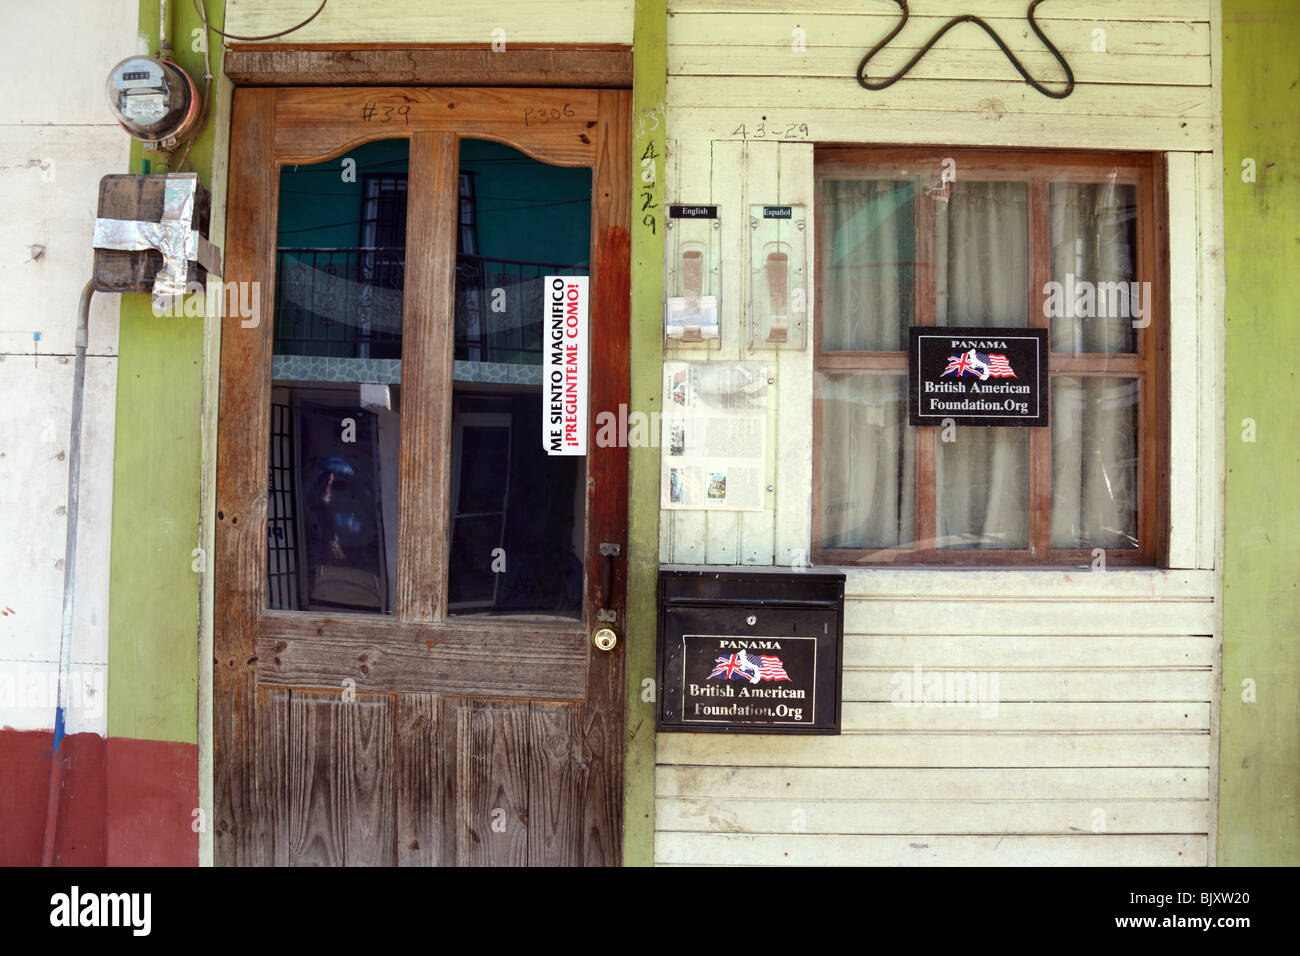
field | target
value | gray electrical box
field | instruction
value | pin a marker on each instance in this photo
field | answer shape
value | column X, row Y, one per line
column 163, row 212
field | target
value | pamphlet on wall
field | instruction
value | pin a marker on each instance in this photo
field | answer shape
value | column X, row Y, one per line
column 713, row 453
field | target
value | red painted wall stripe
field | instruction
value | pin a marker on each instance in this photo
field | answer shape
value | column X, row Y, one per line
column 153, row 790
column 24, row 788
column 125, row 802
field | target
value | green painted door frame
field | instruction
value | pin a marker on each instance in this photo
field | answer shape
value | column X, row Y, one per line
column 649, row 99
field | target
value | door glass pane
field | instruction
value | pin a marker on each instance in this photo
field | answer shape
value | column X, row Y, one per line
column 1095, row 296
column 336, row 382
column 517, row 515
column 1094, row 462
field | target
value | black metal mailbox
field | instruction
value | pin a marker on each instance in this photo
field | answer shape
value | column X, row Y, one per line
column 754, row 651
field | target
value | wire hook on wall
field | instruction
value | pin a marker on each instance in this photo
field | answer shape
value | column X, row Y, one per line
column 983, row 25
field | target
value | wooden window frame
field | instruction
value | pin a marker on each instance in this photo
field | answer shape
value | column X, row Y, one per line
column 1149, row 365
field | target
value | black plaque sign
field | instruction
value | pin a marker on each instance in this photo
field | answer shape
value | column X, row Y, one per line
column 692, row 212
column 978, row 376
column 751, row 663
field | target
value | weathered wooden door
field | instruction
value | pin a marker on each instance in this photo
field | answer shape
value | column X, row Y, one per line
column 388, row 689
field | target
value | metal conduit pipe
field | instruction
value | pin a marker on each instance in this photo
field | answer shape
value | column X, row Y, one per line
column 69, row 574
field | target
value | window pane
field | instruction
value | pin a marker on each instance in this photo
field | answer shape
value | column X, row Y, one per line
column 981, row 255
column 868, row 268
column 340, row 262
column 520, row 220
column 336, row 383
column 1095, row 295
column 868, row 462
column 982, row 489
column 517, row 515
column 475, row 585
column 982, row 278
column 1094, row 462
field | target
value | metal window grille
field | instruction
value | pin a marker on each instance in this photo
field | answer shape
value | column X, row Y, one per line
column 492, row 326
column 281, row 520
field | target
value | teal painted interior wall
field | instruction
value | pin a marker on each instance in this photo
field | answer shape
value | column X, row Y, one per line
column 527, row 210
column 319, row 207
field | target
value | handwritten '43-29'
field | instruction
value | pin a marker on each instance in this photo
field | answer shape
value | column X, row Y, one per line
column 767, row 130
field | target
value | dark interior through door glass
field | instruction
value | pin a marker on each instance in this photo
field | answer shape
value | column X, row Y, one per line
column 336, row 374
column 517, row 516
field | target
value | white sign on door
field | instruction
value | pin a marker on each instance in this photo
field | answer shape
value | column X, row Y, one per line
column 564, row 366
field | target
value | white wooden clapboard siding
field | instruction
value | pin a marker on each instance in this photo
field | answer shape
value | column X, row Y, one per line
column 837, row 61
column 732, row 849
column 1150, row 10
column 742, row 68
column 986, row 122
column 930, row 783
column 1106, row 101
column 1098, row 751
column 981, row 651
column 443, row 21
column 1024, row 613
column 876, row 685
column 705, row 815
column 984, row 749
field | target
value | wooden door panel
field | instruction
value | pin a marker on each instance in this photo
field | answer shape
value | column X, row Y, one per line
column 343, row 774
column 460, row 781
column 340, row 779
column 479, row 659
column 602, row 800
column 273, row 745
column 485, row 746
column 557, row 780
column 418, row 782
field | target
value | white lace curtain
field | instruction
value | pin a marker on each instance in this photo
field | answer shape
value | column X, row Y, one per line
column 1094, row 419
column 981, row 279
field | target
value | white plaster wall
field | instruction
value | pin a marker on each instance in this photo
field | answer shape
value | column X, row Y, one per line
column 56, row 141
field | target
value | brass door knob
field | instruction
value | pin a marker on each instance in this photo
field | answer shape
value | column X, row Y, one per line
column 604, row 639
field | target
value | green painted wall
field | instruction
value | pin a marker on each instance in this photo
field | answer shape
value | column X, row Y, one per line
column 153, row 627
column 649, row 94
column 1260, row 740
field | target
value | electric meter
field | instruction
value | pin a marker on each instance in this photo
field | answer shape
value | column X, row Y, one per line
column 154, row 100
